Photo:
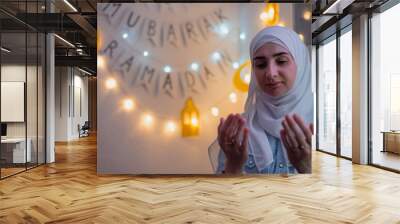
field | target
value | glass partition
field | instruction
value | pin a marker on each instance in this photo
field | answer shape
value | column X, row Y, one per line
column 14, row 153
column 22, row 89
column 31, row 100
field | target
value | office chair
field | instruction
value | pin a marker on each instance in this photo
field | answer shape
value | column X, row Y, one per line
column 84, row 130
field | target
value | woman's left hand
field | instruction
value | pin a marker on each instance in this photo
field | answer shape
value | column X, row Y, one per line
column 296, row 137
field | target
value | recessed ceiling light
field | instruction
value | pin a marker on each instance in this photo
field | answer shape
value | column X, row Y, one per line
column 86, row 72
column 70, row 5
column 64, row 40
column 5, row 50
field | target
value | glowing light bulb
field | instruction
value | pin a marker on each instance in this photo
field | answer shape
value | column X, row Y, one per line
column 194, row 66
column 170, row 127
column 307, row 15
column 233, row 97
column 247, row 78
column 128, row 104
column 271, row 13
column 242, row 36
column 216, row 56
column 264, row 16
column 167, row 69
column 194, row 121
column 145, row 53
column 235, row 65
column 148, row 120
column 281, row 24
column 215, row 111
column 301, row 37
column 125, row 35
column 111, row 83
column 224, row 29
column 267, row 15
column 100, row 62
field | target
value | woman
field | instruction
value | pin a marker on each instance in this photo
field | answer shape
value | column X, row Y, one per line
column 274, row 134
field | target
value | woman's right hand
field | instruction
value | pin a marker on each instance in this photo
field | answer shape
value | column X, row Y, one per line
column 235, row 149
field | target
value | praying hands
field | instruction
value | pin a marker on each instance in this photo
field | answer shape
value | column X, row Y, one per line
column 296, row 137
column 233, row 139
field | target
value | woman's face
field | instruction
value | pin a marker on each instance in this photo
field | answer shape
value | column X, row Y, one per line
column 275, row 69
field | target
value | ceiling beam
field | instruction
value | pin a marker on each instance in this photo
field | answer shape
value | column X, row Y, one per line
column 82, row 61
column 86, row 26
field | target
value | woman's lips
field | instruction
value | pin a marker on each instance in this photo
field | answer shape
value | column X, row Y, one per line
column 274, row 85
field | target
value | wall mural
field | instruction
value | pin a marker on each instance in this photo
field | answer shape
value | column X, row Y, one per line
column 166, row 74
column 139, row 36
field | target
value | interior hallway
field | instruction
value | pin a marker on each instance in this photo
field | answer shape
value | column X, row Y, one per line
column 69, row 191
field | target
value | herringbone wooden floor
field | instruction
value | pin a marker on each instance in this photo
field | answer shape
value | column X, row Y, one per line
column 69, row 191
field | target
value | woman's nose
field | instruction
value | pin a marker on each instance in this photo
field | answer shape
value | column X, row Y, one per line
column 272, row 71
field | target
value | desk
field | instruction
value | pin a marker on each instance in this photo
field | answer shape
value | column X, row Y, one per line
column 391, row 141
column 16, row 147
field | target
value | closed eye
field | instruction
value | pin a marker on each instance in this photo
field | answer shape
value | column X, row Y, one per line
column 261, row 65
column 281, row 62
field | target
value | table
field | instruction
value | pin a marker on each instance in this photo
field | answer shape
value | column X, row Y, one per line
column 16, row 148
column 391, row 141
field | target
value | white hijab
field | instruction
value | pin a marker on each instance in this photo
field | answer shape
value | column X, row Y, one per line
column 264, row 113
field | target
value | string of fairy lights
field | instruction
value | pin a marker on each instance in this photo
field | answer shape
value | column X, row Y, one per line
column 269, row 17
column 148, row 119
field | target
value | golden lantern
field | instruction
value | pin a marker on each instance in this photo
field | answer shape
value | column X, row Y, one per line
column 270, row 14
column 190, row 118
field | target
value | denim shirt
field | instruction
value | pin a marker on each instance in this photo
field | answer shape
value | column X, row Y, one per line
column 278, row 166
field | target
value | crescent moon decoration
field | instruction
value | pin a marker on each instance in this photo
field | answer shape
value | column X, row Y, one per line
column 270, row 14
column 241, row 78
column 99, row 40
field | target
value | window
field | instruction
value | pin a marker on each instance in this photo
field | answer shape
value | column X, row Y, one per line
column 327, row 97
column 346, row 93
column 385, row 89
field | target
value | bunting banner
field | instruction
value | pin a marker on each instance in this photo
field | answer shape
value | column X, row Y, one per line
column 195, row 36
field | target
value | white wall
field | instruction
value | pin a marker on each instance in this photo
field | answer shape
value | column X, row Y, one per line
column 61, row 103
column 12, row 73
column 80, row 109
column 68, row 82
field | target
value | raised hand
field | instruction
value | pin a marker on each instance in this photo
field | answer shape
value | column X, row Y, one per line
column 296, row 137
column 234, row 147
